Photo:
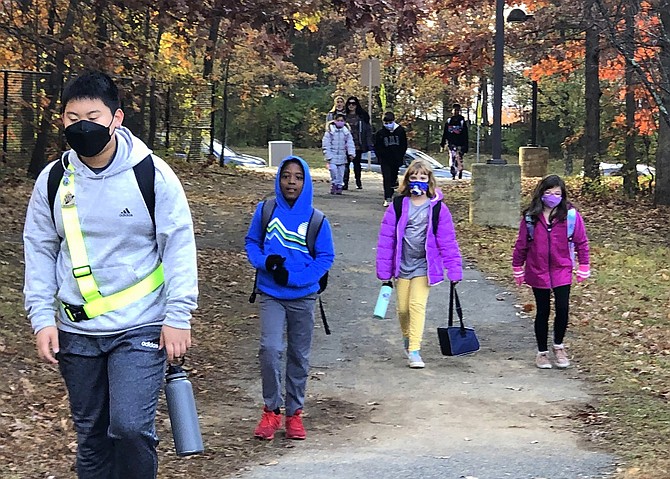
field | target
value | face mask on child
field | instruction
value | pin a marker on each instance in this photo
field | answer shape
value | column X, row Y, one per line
column 389, row 126
column 418, row 188
column 339, row 124
column 551, row 201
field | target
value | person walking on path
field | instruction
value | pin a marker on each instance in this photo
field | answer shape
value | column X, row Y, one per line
column 288, row 282
column 338, row 107
column 455, row 137
column 338, row 150
column 110, row 279
column 390, row 146
column 359, row 124
column 543, row 259
column 414, row 251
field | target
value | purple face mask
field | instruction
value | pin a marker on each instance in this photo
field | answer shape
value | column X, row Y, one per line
column 551, row 201
column 339, row 124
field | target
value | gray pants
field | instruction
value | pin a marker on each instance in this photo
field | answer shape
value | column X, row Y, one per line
column 337, row 174
column 113, row 384
column 296, row 318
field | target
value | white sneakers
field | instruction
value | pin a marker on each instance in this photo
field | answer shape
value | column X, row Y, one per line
column 386, row 203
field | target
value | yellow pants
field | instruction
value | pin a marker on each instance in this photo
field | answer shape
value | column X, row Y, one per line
column 412, row 296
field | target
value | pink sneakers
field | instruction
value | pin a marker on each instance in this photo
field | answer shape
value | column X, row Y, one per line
column 270, row 422
column 294, row 426
column 560, row 356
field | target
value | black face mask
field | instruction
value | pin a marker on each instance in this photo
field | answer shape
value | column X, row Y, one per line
column 87, row 138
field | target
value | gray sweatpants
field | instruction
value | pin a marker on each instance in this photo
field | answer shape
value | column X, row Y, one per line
column 337, row 174
column 296, row 318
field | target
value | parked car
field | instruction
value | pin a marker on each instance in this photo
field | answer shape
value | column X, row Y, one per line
column 614, row 169
column 231, row 157
column 439, row 170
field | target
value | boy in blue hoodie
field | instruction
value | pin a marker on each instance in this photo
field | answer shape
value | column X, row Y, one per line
column 287, row 283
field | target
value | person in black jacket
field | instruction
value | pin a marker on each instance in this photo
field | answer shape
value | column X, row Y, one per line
column 455, row 136
column 359, row 123
column 390, row 147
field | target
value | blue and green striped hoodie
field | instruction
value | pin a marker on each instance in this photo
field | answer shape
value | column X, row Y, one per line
column 286, row 236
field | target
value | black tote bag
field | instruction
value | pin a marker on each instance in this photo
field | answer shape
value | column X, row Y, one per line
column 456, row 340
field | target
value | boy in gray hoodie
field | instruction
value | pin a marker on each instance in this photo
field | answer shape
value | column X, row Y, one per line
column 110, row 279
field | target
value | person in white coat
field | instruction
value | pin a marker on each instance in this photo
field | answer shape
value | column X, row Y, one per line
column 338, row 150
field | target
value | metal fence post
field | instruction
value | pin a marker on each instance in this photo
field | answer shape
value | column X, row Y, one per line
column 212, row 116
column 5, row 115
column 167, row 118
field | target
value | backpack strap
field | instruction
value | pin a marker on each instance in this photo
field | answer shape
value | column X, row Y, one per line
column 267, row 210
column 436, row 216
column 397, row 207
column 313, row 229
column 572, row 219
column 530, row 227
column 145, row 174
column 53, row 182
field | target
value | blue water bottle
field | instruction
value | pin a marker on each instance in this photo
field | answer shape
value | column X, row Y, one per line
column 383, row 300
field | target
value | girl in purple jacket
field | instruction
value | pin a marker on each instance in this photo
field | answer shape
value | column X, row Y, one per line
column 410, row 251
column 543, row 246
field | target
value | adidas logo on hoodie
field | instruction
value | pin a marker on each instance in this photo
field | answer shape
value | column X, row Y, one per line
column 125, row 212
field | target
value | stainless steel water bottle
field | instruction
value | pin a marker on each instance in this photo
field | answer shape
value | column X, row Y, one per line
column 383, row 300
column 182, row 412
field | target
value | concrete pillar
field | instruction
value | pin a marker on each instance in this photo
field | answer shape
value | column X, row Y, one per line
column 278, row 150
column 496, row 195
column 533, row 161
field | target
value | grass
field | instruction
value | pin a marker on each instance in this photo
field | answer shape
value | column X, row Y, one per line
column 619, row 320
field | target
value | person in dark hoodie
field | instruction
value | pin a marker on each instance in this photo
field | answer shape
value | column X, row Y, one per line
column 455, row 137
column 390, row 147
column 110, row 281
column 287, row 283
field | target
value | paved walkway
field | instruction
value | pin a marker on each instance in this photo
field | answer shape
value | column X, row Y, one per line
column 491, row 415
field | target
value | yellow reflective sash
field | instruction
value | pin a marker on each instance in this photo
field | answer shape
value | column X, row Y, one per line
column 95, row 303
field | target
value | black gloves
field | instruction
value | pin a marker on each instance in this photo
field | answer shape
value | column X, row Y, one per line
column 275, row 264
column 280, row 275
column 273, row 261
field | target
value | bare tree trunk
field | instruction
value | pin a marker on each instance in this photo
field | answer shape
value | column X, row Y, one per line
column 630, row 184
column 53, row 87
column 567, row 158
column 592, row 96
column 208, row 67
column 662, row 193
column 153, row 101
column 224, row 120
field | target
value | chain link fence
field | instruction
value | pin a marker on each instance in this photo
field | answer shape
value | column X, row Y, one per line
column 175, row 116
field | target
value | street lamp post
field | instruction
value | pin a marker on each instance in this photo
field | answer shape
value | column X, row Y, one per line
column 498, row 63
column 516, row 15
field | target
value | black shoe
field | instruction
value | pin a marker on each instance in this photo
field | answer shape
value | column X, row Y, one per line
column 345, row 187
column 359, row 187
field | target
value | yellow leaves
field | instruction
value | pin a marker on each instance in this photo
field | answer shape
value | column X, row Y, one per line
column 306, row 20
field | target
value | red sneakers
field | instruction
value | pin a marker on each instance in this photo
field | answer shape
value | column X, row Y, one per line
column 294, row 427
column 269, row 423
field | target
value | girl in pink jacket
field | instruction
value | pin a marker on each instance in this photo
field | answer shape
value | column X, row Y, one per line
column 415, row 251
column 543, row 259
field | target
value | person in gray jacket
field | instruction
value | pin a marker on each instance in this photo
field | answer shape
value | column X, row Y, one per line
column 110, row 280
column 338, row 150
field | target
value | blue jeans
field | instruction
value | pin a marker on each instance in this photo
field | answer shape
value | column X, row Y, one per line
column 296, row 318
column 113, row 383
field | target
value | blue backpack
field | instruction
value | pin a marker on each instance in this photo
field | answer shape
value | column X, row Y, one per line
column 571, row 218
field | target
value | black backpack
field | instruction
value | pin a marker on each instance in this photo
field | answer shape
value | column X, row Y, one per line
column 145, row 174
column 313, row 229
column 397, row 206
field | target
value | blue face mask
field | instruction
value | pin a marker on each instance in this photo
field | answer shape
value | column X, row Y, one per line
column 418, row 188
column 389, row 126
